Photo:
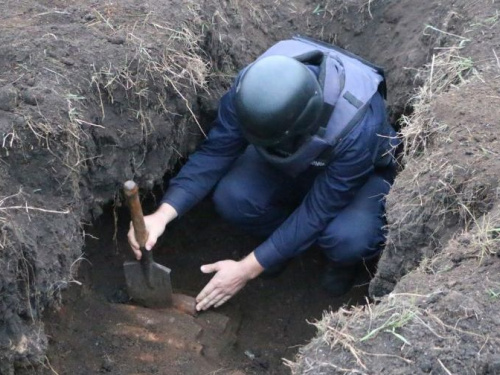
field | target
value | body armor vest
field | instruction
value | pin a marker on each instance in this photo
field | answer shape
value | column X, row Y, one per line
column 348, row 84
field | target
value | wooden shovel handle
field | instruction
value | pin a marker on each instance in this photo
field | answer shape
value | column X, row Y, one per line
column 132, row 194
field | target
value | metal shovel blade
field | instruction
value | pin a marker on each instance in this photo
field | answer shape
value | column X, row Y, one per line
column 155, row 293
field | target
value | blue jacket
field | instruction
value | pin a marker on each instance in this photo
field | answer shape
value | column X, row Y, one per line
column 333, row 188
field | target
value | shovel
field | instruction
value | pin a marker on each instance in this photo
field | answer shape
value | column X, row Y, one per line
column 148, row 283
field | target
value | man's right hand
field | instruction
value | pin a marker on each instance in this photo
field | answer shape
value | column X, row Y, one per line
column 155, row 225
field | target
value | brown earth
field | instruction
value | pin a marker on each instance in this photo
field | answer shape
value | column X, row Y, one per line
column 265, row 322
column 94, row 93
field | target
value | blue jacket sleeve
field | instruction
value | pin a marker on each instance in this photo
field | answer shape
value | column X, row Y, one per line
column 332, row 190
column 207, row 165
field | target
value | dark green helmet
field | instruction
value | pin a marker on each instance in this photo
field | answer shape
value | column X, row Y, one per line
column 277, row 98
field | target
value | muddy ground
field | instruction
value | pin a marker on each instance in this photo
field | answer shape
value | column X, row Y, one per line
column 263, row 324
column 94, row 93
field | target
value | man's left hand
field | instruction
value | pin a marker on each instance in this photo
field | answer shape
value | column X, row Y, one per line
column 230, row 278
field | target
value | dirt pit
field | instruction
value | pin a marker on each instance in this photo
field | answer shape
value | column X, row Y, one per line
column 95, row 93
column 265, row 322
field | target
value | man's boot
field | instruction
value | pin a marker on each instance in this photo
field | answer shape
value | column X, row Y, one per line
column 339, row 279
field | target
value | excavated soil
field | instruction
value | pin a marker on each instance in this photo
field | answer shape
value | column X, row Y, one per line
column 264, row 323
column 95, row 93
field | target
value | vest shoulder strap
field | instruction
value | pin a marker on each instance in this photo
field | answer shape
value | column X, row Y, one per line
column 375, row 67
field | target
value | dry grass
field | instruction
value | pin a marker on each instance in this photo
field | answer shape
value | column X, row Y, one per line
column 442, row 190
column 486, row 236
column 349, row 335
column 446, row 70
column 478, row 243
column 151, row 77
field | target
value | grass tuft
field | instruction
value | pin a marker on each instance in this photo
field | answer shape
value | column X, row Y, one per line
column 152, row 77
column 447, row 69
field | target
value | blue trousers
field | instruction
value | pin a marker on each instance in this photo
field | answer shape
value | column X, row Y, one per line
column 258, row 198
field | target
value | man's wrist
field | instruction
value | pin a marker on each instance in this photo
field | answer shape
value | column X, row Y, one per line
column 252, row 267
column 166, row 213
